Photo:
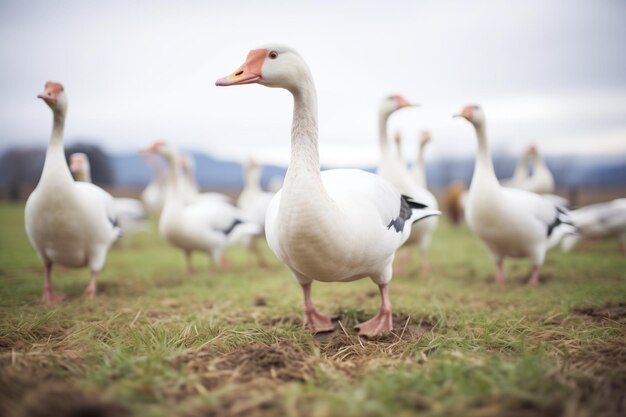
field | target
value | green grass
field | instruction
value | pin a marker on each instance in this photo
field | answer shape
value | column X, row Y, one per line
column 158, row 342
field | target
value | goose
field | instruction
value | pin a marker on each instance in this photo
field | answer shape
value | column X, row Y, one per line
column 209, row 226
column 512, row 223
column 68, row 223
column 189, row 186
column 541, row 181
column 418, row 172
column 396, row 172
column 153, row 196
column 520, row 175
column 131, row 213
column 334, row 226
column 601, row 220
column 253, row 201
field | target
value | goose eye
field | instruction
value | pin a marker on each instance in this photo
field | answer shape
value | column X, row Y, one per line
column 273, row 55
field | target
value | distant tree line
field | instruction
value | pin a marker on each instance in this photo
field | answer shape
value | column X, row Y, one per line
column 20, row 168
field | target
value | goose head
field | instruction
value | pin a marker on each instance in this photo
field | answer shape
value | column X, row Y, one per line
column 54, row 96
column 79, row 164
column 162, row 148
column 532, row 150
column 271, row 65
column 187, row 164
column 473, row 114
column 393, row 103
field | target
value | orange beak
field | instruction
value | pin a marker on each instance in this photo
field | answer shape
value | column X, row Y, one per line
column 465, row 113
column 51, row 92
column 401, row 102
column 249, row 72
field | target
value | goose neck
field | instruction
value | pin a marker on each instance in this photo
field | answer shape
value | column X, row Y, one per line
column 55, row 165
column 305, row 163
column 484, row 171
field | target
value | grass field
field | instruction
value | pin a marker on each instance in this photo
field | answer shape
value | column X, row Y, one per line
column 157, row 342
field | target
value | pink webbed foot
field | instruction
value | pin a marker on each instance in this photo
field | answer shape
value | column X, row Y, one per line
column 381, row 323
column 319, row 322
column 49, row 297
column 90, row 292
column 534, row 278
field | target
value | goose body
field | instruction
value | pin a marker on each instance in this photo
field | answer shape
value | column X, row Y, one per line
column 541, row 181
column 335, row 226
column 520, row 174
column 511, row 223
column 68, row 223
column 254, row 203
column 208, row 226
column 130, row 213
column 601, row 220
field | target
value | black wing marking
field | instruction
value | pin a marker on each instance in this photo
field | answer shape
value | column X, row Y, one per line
column 406, row 206
column 560, row 218
column 230, row 228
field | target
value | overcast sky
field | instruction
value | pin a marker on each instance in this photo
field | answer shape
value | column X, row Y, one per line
column 548, row 72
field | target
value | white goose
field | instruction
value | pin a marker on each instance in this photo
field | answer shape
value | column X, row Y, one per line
column 520, row 175
column 418, row 172
column 153, row 196
column 189, row 186
column 131, row 213
column 541, row 181
column 396, row 172
column 336, row 226
column 511, row 222
column 601, row 220
column 68, row 223
column 254, row 202
column 209, row 226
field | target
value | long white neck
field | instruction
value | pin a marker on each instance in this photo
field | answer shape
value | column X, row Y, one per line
column 419, row 172
column 172, row 193
column 383, row 117
column 484, row 175
column 521, row 170
column 539, row 164
column 253, row 178
column 304, row 166
column 84, row 174
column 55, row 168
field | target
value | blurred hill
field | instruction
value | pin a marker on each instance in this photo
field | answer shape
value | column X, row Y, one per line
column 20, row 169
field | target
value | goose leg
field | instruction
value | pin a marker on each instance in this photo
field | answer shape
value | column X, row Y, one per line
column 90, row 291
column 500, row 272
column 534, row 277
column 382, row 322
column 190, row 269
column 313, row 319
column 49, row 296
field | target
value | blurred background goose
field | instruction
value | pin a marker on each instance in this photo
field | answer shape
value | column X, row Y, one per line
column 130, row 212
column 512, row 223
column 395, row 171
column 601, row 220
column 206, row 225
column 254, row 202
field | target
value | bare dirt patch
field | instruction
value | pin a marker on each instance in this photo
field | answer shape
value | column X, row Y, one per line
column 611, row 311
column 257, row 364
column 35, row 395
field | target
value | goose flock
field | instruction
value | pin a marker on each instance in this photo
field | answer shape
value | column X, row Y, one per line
column 335, row 225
